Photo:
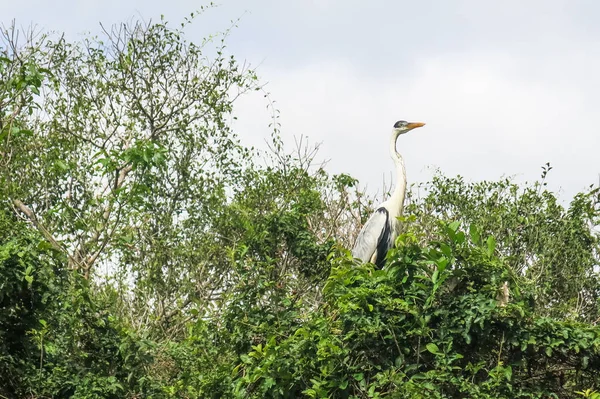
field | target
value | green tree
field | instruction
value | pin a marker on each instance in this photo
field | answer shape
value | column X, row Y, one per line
column 130, row 158
column 556, row 249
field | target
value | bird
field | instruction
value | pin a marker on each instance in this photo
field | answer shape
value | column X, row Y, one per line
column 378, row 235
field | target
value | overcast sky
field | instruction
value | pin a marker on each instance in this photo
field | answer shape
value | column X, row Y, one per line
column 504, row 87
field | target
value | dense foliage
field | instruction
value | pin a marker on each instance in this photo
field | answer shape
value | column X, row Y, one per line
column 146, row 252
column 430, row 325
column 555, row 249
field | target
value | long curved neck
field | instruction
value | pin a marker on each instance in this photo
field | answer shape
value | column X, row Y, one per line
column 396, row 201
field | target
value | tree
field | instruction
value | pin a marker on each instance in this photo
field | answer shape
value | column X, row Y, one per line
column 557, row 250
column 129, row 157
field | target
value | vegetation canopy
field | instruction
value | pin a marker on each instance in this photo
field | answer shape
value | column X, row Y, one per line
column 145, row 251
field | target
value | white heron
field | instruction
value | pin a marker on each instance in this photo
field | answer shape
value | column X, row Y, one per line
column 379, row 233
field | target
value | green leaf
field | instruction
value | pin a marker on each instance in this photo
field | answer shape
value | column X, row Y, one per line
column 245, row 358
column 474, row 233
column 442, row 263
column 491, row 245
column 44, row 246
column 454, row 226
column 584, row 362
column 446, row 250
column 61, row 165
column 371, row 391
column 508, row 372
column 269, row 382
column 433, row 348
column 399, row 361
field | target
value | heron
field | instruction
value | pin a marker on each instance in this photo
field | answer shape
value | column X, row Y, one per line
column 378, row 235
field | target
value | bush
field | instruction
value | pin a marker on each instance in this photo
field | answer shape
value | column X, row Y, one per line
column 431, row 325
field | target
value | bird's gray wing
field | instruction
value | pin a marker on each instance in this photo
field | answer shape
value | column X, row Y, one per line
column 371, row 235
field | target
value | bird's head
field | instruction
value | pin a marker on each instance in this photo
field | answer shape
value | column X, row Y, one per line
column 402, row 127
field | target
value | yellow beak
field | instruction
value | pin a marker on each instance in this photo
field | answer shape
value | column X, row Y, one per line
column 414, row 125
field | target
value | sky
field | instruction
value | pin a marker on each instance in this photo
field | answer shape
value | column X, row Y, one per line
column 503, row 87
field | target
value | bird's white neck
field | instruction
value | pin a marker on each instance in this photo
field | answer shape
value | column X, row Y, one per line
column 396, row 201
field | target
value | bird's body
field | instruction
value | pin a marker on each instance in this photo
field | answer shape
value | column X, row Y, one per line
column 379, row 233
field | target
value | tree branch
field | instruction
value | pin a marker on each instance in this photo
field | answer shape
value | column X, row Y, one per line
column 38, row 225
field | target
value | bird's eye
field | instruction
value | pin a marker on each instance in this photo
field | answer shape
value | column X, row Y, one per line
column 400, row 124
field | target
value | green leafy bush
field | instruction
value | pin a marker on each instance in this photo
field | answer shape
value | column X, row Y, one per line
column 555, row 248
column 430, row 325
